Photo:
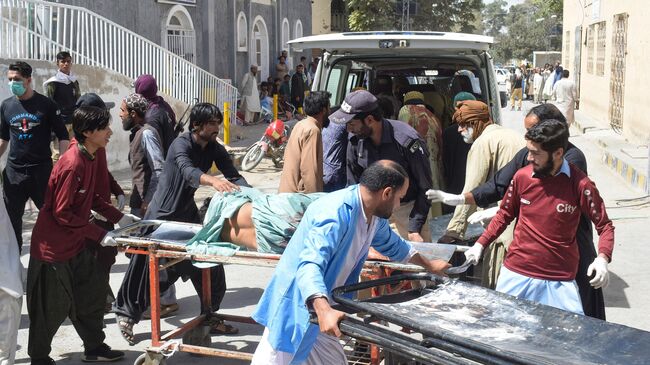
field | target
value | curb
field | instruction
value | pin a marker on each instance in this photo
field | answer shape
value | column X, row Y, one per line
column 632, row 176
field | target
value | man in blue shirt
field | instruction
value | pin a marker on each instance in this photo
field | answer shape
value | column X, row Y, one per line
column 327, row 251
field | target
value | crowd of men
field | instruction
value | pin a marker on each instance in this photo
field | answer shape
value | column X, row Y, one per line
column 290, row 84
column 385, row 177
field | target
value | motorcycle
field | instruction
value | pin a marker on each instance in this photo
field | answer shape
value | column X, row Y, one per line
column 272, row 144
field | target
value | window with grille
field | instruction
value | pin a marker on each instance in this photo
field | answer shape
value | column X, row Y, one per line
column 590, row 49
column 617, row 79
column 600, row 49
column 567, row 48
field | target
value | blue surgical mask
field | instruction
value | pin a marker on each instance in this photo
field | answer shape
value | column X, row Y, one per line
column 17, row 88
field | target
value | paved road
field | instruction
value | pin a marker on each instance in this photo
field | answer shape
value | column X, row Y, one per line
column 626, row 297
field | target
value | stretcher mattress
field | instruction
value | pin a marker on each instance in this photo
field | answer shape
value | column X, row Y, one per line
column 516, row 330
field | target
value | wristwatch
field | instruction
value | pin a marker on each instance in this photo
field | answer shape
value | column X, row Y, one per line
column 311, row 298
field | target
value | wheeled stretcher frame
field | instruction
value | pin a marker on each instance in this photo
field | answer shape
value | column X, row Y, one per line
column 130, row 241
column 548, row 336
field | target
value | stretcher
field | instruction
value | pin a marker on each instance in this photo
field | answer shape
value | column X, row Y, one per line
column 166, row 240
column 449, row 321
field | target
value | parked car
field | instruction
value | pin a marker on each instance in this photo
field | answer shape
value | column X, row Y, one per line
column 437, row 64
column 503, row 77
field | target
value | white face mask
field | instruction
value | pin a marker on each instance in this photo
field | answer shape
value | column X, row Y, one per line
column 467, row 134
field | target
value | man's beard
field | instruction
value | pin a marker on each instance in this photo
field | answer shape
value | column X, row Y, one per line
column 384, row 211
column 544, row 170
column 468, row 135
column 326, row 122
column 128, row 123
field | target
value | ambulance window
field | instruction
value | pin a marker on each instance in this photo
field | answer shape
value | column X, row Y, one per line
column 333, row 85
column 352, row 82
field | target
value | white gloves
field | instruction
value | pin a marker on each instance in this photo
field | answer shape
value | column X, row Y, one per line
column 439, row 196
column 121, row 201
column 127, row 219
column 482, row 216
column 108, row 240
column 473, row 255
column 599, row 266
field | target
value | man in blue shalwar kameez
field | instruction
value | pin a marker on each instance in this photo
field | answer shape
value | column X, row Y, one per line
column 328, row 250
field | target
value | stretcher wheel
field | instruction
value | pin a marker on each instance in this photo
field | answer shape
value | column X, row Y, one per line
column 252, row 157
column 149, row 358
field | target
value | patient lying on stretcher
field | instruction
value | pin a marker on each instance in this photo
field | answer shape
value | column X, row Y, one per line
column 251, row 220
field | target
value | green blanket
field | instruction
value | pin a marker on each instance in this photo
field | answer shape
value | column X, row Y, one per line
column 275, row 217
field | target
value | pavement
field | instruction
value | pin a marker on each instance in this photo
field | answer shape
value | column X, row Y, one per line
column 626, row 296
column 629, row 160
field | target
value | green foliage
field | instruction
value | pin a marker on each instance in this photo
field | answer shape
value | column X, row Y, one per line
column 494, row 17
column 365, row 15
column 433, row 15
column 447, row 15
column 526, row 27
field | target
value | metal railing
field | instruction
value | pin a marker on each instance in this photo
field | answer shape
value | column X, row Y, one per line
column 33, row 29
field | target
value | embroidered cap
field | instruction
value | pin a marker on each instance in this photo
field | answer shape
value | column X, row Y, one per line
column 356, row 102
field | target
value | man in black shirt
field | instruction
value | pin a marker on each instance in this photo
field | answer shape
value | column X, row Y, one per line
column 373, row 138
column 190, row 156
column 63, row 89
column 494, row 189
column 27, row 121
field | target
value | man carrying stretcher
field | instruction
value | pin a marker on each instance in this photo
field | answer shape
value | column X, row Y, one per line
column 328, row 250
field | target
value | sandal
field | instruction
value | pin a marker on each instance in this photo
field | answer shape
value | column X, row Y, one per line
column 219, row 327
column 126, row 328
column 165, row 311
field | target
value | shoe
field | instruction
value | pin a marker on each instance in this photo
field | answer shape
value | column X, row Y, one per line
column 46, row 361
column 103, row 353
column 219, row 327
column 519, row 109
column 165, row 311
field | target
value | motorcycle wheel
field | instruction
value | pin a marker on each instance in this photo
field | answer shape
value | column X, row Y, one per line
column 253, row 157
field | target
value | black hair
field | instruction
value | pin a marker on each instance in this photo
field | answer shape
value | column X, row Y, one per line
column 276, row 79
column 551, row 134
column 89, row 118
column 383, row 174
column 316, row 102
column 386, row 105
column 565, row 73
column 303, row 58
column 546, row 111
column 287, row 75
column 23, row 68
column 62, row 55
column 202, row 113
column 378, row 114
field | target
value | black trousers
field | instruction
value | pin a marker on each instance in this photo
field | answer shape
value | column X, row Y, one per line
column 56, row 291
column 19, row 185
column 133, row 297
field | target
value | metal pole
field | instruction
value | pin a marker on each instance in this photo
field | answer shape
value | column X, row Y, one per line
column 275, row 106
column 226, row 123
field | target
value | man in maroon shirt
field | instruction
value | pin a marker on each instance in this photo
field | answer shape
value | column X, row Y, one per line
column 547, row 197
column 63, row 275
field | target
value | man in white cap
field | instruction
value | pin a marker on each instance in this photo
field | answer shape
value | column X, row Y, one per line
column 250, row 97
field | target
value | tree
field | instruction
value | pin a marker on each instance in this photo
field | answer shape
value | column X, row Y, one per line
column 365, row 15
column 494, row 17
column 447, row 15
column 432, row 15
column 529, row 27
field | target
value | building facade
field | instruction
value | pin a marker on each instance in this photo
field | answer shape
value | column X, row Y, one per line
column 605, row 47
column 224, row 37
